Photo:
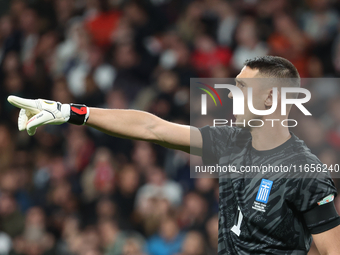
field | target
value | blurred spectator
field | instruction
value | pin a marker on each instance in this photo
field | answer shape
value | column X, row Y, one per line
column 189, row 24
column 290, row 42
column 212, row 232
column 64, row 10
column 320, row 22
column 228, row 22
column 208, row 55
column 248, row 43
column 12, row 220
column 11, row 63
column 5, row 243
column 6, row 148
column 112, row 238
column 60, row 91
column 143, row 155
column 133, row 246
column 103, row 75
column 194, row 244
column 10, row 37
column 80, row 148
column 159, row 187
column 194, row 211
column 73, row 48
column 103, row 24
column 168, row 241
column 99, row 177
column 127, row 186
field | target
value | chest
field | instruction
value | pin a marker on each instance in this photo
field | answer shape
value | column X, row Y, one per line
column 260, row 200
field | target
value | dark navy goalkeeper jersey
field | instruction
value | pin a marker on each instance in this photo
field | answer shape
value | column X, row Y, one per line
column 263, row 213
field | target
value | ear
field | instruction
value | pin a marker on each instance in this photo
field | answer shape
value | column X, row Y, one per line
column 269, row 99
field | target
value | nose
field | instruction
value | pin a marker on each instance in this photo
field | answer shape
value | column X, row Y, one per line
column 230, row 95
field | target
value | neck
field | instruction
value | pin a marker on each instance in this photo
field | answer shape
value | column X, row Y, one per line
column 268, row 137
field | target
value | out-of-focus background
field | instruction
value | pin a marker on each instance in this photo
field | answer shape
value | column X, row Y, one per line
column 71, row 190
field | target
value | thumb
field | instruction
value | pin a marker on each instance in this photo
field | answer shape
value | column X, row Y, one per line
column 37, row 120
column 22, row 120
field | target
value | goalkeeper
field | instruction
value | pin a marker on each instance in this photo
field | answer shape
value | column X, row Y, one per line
column 272, row 215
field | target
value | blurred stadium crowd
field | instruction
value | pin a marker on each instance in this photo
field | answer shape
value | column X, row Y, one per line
column 71, row 190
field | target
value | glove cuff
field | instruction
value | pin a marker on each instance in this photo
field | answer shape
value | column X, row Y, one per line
column 78, row 114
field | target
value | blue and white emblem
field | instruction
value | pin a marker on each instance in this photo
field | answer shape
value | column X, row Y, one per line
column 264, row 191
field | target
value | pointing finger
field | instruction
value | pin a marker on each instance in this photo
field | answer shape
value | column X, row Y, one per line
column 23, row 103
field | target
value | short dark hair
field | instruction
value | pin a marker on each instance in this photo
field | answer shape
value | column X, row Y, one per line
column 276, row 67
column 272, row 66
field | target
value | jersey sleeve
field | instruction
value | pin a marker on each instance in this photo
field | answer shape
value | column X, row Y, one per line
column 315, row 202
column 313, row 186
column 313, row 190
column 323, row 217
column 215, row 141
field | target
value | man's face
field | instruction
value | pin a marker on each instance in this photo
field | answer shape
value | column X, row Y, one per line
column 250, row 78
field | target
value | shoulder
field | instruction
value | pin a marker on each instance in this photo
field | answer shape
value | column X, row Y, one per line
column 217, row 140
column 301, row 150
column 225, row 132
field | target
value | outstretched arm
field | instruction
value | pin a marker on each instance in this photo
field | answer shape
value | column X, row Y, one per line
column 129, row 124
column 140, row 125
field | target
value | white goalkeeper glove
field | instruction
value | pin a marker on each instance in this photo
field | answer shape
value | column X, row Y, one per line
column 35, row 113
